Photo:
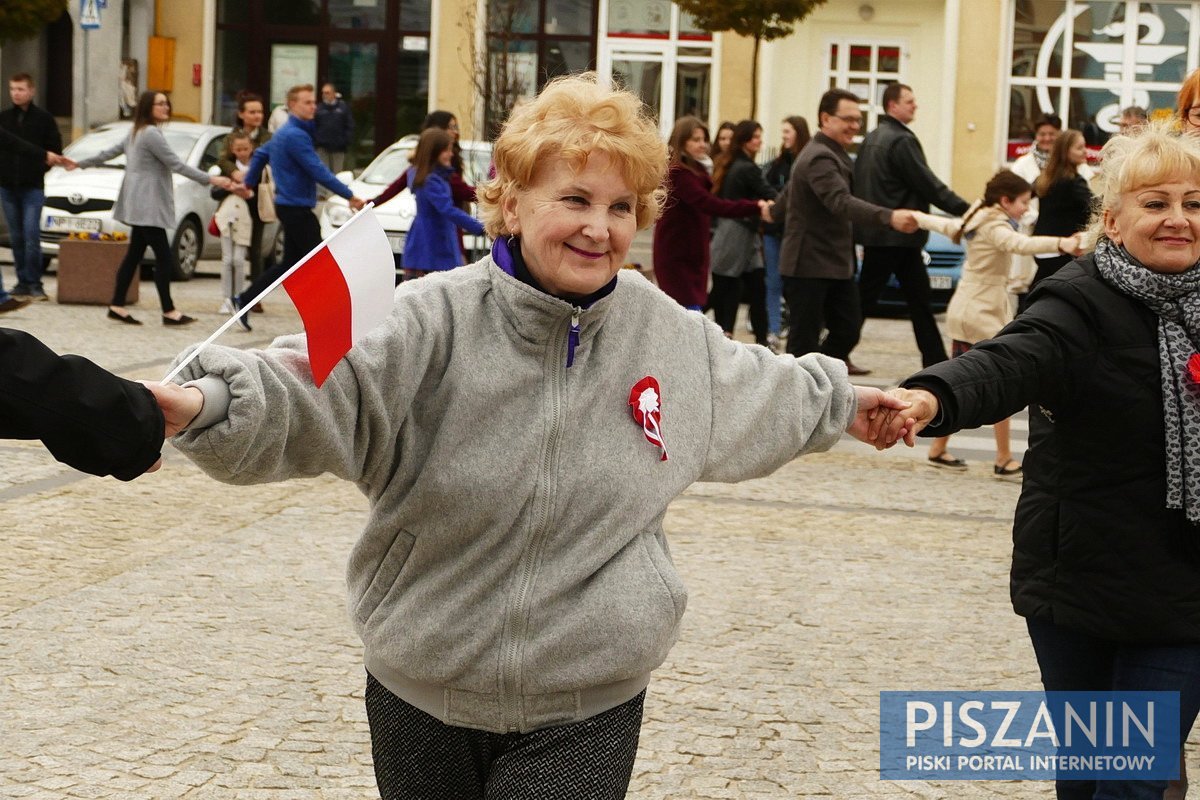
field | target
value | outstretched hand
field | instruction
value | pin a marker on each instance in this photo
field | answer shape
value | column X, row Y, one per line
column 875, row 408
column 179, row 405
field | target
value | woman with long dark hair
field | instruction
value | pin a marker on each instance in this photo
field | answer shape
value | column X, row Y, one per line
column 432, row 243
column 795, row 135
column 1064, row 200
column 460, row 190
column 680, row 256
column 735, row 247
column 720, row 143
column 146, row 203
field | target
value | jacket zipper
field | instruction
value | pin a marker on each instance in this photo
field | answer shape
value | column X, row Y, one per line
column 573, row 335
column 518, row 611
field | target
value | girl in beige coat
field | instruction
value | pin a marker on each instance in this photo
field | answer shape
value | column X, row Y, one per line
column 981, row 304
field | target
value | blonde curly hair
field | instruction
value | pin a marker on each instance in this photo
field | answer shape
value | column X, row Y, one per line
column 573, row 117
column 1156, row 153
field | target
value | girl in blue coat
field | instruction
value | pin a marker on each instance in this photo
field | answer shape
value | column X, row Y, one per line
column 432, row 243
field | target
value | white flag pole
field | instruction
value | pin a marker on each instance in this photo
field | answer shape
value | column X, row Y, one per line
column 245, row 309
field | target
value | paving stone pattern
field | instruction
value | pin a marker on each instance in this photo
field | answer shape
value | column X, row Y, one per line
column 178, row 638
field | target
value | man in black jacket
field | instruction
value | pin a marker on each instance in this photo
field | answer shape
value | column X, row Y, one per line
column 21, row 182
column 87, row 417
column 891, row 171
column 335, row 128
column 816, row 256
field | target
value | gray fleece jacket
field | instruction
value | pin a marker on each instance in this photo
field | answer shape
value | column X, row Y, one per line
column 513, row 573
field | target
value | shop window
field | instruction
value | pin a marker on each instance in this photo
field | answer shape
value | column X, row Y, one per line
column 866, row 67
column 358, row 14
column 1121, row 53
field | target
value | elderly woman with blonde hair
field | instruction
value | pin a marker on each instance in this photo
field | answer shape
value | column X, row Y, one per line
column 519, row 427
column 1106, row 543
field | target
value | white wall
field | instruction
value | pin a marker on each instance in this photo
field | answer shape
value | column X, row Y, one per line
column 793, row 69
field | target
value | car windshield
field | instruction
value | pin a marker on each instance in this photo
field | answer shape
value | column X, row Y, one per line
column 388, row 166
column 99, row 141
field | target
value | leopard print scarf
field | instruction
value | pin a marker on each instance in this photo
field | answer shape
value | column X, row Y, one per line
column 1176, row 301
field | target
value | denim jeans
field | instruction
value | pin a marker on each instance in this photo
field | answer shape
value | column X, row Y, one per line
column 23, row 210
column 1074, row 661
column 771, row 245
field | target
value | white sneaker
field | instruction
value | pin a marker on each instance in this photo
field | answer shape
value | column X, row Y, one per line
column 226, row 307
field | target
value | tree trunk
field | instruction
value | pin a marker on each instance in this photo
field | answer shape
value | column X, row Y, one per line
column 754, row 80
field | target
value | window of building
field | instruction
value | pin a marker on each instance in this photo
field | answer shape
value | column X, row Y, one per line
column 1085, row 61
column 376, row 52
column 530, row 42
column 866, row 67
column 657, row 51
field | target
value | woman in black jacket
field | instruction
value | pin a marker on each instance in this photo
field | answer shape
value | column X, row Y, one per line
column 1106, row 538
column 735, row 252
column 1064, row 200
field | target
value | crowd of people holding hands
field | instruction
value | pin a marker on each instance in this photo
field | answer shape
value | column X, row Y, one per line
column 535, row 677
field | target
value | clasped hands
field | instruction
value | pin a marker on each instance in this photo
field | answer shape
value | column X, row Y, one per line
column 885, row 418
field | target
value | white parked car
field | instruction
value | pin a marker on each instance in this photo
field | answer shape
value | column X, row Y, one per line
column 82, row 200
column 396, row 215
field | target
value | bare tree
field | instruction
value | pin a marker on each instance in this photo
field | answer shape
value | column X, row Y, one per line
column 492, row 52
column 24, row 19
column 761, row 20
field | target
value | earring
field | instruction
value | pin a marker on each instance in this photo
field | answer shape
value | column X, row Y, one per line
column 512, row 240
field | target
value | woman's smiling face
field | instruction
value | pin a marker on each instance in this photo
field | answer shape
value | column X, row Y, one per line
column 575, row 227
column 1159, row 225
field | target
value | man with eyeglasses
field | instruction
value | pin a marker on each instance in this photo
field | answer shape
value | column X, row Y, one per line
column 816, row 257
column 891, row 171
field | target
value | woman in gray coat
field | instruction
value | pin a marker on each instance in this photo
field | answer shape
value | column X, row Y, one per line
column 146, row 203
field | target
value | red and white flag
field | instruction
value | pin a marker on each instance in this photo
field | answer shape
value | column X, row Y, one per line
column 343, row 289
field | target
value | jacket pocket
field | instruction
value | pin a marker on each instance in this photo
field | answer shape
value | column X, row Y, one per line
column 386, row 575
column 656, row 551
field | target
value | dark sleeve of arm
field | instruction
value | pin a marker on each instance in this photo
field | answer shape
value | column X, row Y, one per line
column 53, row 138
column 86, row 416
column 225, row 160
column 834, row 193
column 1029, row 361
column 757, row 186
column 460, row 190
column 394, row 188
column 910, row 162
column 693, row 193
column 12, row 141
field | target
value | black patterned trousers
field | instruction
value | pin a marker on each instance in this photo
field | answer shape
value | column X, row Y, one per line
column 418, row 757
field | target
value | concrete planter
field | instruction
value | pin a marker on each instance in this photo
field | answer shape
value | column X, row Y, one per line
column 87, row 272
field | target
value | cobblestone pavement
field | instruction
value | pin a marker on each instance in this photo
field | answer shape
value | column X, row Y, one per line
column 177, row 638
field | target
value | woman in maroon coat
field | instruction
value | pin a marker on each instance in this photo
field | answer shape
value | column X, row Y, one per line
column 681, row 233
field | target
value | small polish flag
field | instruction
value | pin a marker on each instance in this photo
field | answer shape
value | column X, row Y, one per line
column 342, row 290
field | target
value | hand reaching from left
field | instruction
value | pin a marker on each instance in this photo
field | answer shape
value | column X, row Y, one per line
column 874, row 409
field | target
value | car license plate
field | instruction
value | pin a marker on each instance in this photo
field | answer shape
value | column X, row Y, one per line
column 940, row 282
column 397, row 242
column 70, row 224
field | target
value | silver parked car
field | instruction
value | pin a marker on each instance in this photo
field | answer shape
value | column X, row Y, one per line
column 396, row 215
column 82, row 200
